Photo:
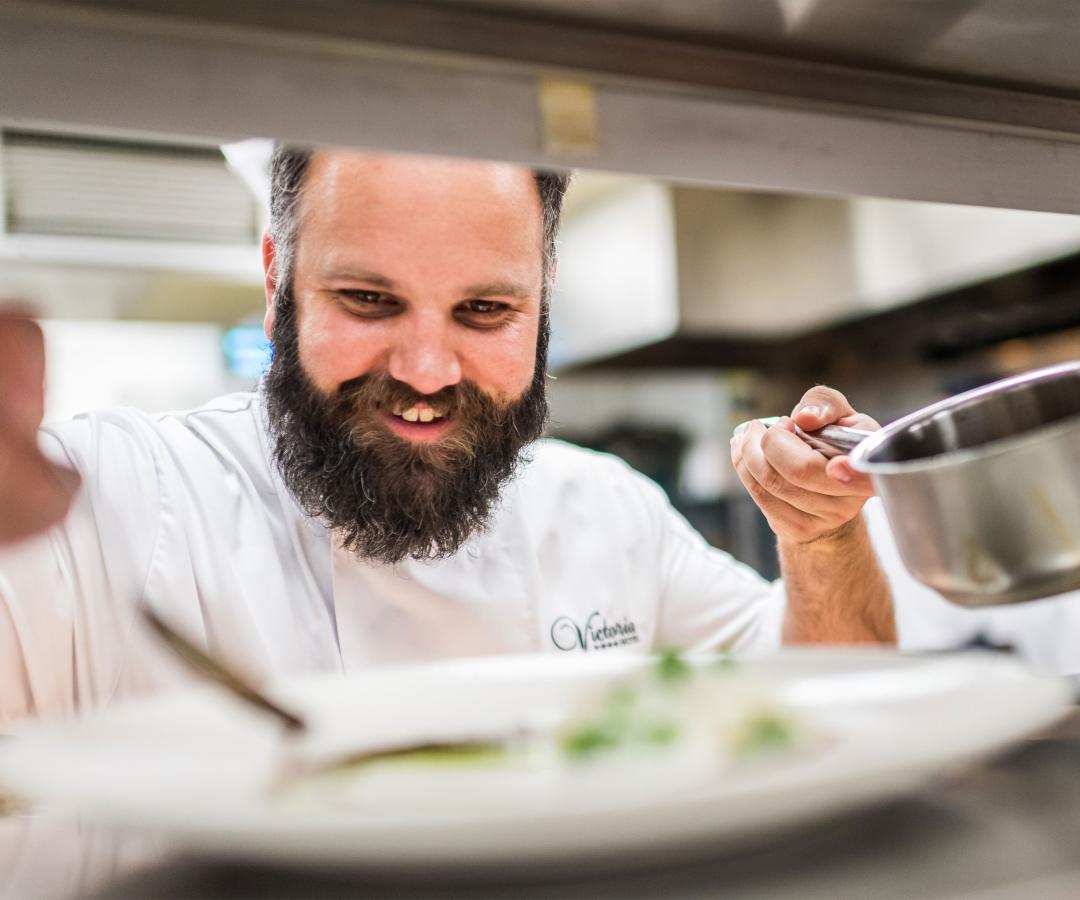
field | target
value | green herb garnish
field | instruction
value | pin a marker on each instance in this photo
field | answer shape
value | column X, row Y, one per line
column 764, row 733
column 671, row 667
column 623, row 720
column 592, row 739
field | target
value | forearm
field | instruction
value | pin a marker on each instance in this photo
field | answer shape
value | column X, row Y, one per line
column 836, row 590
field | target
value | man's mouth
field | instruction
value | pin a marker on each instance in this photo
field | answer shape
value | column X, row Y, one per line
column 419, row 422
column 419, row 413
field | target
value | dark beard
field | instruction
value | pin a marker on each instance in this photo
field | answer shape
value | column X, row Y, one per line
column 386, row 498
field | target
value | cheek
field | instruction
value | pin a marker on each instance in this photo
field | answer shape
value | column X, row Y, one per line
column 331, row 353
column 503, row 365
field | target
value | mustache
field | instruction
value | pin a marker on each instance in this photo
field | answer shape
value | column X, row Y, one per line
column 463, row 400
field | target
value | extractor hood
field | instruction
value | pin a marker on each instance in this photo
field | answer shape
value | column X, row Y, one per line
column 73, row 199
column 698, row 263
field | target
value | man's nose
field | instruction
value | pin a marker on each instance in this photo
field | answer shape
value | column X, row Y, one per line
column 425, row 358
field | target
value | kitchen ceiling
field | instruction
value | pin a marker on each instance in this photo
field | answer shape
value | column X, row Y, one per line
column 1017, row 42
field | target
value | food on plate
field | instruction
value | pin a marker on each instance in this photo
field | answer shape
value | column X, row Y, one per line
column 666, row 727
column 711, row 704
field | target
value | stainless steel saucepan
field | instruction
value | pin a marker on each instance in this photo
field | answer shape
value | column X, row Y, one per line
column 982, row 490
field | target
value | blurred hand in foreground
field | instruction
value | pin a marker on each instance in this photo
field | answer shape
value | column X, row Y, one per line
column 804, row 496
column 34, row 493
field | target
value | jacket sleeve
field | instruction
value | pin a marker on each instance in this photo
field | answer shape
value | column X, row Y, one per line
column 68, row 597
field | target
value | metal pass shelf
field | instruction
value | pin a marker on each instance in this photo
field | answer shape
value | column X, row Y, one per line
column 956, row 101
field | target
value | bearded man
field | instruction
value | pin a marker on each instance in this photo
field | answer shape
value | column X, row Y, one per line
column 384, row 496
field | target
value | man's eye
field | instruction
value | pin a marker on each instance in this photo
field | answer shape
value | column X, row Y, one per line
column 483, row 312
column 370, row 303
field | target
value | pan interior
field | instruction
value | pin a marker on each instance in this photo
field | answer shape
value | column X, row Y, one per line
column 984, row 417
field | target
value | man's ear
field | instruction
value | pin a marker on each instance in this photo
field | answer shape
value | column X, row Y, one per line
column 269, row 261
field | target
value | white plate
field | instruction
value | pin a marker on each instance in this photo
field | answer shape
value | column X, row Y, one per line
column 195, row 765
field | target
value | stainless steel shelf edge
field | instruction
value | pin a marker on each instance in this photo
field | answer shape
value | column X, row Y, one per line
column 77, row 68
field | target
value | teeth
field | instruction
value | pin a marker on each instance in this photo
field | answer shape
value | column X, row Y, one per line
column 416, row 414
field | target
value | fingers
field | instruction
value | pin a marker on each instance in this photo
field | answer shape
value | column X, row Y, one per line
column 783, row 518
column 22, row 374
column 789, row 467
column 821, row 406
column 34, row 493
column 803, row 495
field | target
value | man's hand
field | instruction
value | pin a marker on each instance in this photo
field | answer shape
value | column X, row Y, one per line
column 33, row 492
column 835, row 588
column 804, row 496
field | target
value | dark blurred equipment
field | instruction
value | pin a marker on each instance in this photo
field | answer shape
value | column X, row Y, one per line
column 653, row 450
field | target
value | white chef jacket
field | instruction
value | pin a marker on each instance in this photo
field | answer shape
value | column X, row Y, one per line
column 185, row 512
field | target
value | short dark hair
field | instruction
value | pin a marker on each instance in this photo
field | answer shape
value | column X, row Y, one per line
column 288, row 168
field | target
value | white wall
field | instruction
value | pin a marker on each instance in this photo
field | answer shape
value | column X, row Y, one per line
column 155, row 366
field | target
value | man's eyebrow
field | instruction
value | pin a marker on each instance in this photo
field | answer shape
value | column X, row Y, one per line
column 477, row 291
column 499, row 289
column 373, row 278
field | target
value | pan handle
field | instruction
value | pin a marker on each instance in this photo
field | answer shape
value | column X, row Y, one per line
column 830, row 441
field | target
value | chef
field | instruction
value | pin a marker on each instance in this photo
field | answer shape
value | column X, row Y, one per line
column 384, row 496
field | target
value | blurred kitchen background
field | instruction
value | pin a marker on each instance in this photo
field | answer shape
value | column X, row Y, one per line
column 680, row 310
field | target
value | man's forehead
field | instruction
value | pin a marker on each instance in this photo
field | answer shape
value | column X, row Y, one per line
column 420, row 220
column 342, row 175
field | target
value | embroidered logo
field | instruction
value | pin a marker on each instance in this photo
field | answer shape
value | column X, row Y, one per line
column 598, row 633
